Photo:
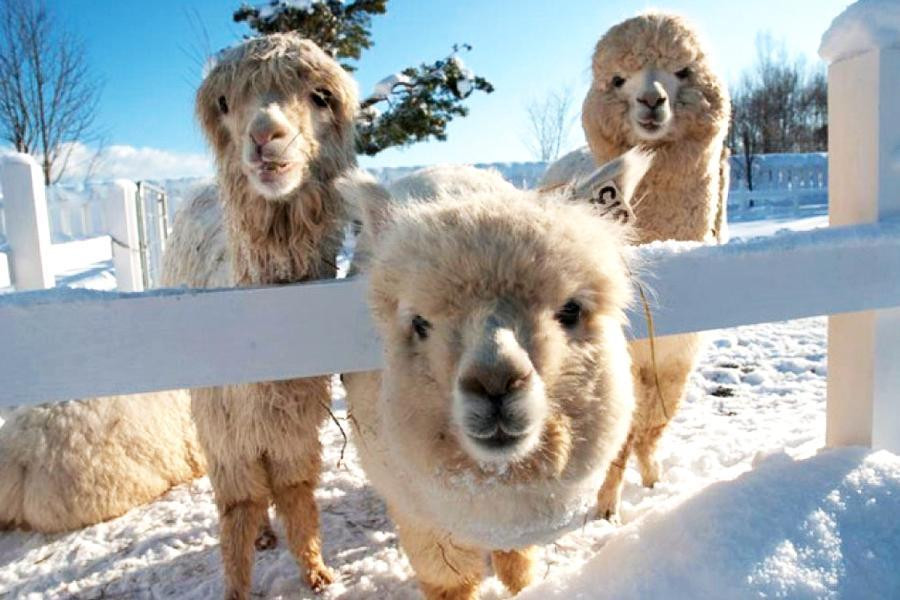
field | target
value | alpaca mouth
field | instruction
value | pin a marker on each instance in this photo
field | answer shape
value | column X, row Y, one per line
column 650, row 125
column 272, row 171
column 273, row 167
column 498, row 440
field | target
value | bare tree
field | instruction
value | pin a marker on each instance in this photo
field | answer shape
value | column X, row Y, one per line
column 780, row 105
column 48, row 97
column 549, row 122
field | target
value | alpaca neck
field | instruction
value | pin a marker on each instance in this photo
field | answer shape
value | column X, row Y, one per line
column 286, row 241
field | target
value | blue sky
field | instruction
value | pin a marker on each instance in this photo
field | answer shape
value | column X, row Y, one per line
column 148, row 54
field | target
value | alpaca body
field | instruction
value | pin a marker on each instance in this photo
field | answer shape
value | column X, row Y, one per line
column 653, row 87
column 278, row 113
column 479, row 274
column 69, row 465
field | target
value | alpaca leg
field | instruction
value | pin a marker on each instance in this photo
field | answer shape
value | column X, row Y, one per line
column 514, row 568
column 660, row 382
column 266, row 538
column 444, row 569
column 610, row 493
column 242, row 501
column 645, row 451
column 293, row 485
column 660, row 397
column 239, row 524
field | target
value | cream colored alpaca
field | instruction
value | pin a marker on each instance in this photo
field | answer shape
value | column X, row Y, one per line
column 653, row 87
column 278, row 113
column 69, row 465
column 506, row 390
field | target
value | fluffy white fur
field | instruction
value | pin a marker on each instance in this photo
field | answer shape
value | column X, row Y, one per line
column 68, row 465
column 653, row 86
column 466, row 290
column 278, row 113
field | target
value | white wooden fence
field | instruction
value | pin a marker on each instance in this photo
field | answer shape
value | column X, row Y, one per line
column 134, row 216
column 62, row 345
column 791, row 181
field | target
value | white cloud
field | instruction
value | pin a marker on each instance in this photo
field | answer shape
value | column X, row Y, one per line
column 134, row 163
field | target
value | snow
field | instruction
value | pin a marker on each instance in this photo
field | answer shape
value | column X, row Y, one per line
column 864, row 26
column 822, row 527
column 83, row 264
column 385, row 87
column 19, row 158
column 757, row 388
column 466, row 83
column 273, row 9
column 747, row 502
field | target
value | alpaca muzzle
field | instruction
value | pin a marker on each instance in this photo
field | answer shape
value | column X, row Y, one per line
column 499, row 401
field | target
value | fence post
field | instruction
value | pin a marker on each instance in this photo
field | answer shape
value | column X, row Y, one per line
column 863, row 187
column 122, row 226
column 4, row 271
column 27, row 225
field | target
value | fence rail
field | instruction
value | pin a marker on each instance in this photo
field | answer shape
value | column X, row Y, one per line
column 109, row 343
column 59, row 345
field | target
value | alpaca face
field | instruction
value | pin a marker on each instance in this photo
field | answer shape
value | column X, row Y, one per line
column 649, row 93
column 493, row 313
column 652, row 83
column 279, row 138
column 276, row 110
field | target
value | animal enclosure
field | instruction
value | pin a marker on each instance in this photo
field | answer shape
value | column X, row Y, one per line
column 852, row 271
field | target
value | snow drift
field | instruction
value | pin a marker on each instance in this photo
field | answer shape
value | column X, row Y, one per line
column 824, row 527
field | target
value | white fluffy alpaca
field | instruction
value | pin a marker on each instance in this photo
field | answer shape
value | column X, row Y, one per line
column 507, row 387
column 68, row 465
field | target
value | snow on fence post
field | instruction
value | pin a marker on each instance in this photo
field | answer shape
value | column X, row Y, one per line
column 27, row 224
column 863, row 187
column 122, row 226
column 4, row 271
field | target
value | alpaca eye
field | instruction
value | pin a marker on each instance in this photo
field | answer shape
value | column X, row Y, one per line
column 618, row 81
column 421, row 326
column 684, row 73
column 569, row 315
column 223, row 105
column 320, row 97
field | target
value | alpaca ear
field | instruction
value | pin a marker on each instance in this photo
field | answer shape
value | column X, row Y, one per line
column 611, row 186
column 369, row 201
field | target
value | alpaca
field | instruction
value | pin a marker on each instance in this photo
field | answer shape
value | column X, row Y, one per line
column 506, row 390
column 454, row 180
column 69, row 465
column 653, row 87
column 278, row 114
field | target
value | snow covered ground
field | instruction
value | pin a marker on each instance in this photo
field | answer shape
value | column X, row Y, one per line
column 747, row 505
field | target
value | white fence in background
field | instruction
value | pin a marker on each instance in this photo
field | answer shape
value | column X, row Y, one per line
column 186, row 338
column 73, row 214
column 791, row 181
column 789, row 172
column 135, row 216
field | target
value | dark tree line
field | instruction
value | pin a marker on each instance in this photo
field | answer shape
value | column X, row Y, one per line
column 410, row 106
column 779, row 105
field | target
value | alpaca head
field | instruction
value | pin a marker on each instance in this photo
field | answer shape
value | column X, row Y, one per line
column 652, row 83
column 277, row 110
column 497, row 312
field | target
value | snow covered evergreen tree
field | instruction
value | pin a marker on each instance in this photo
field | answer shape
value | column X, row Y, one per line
column 406, row 107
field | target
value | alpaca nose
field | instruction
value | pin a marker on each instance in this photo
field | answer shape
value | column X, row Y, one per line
column 264, row 129
column 653, row 98
column 263, row 136
column 495, row 384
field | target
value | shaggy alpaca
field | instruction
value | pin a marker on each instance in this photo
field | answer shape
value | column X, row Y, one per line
column 506, row 390
column 278, row 113
column 69, row 465
column 653, row 87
